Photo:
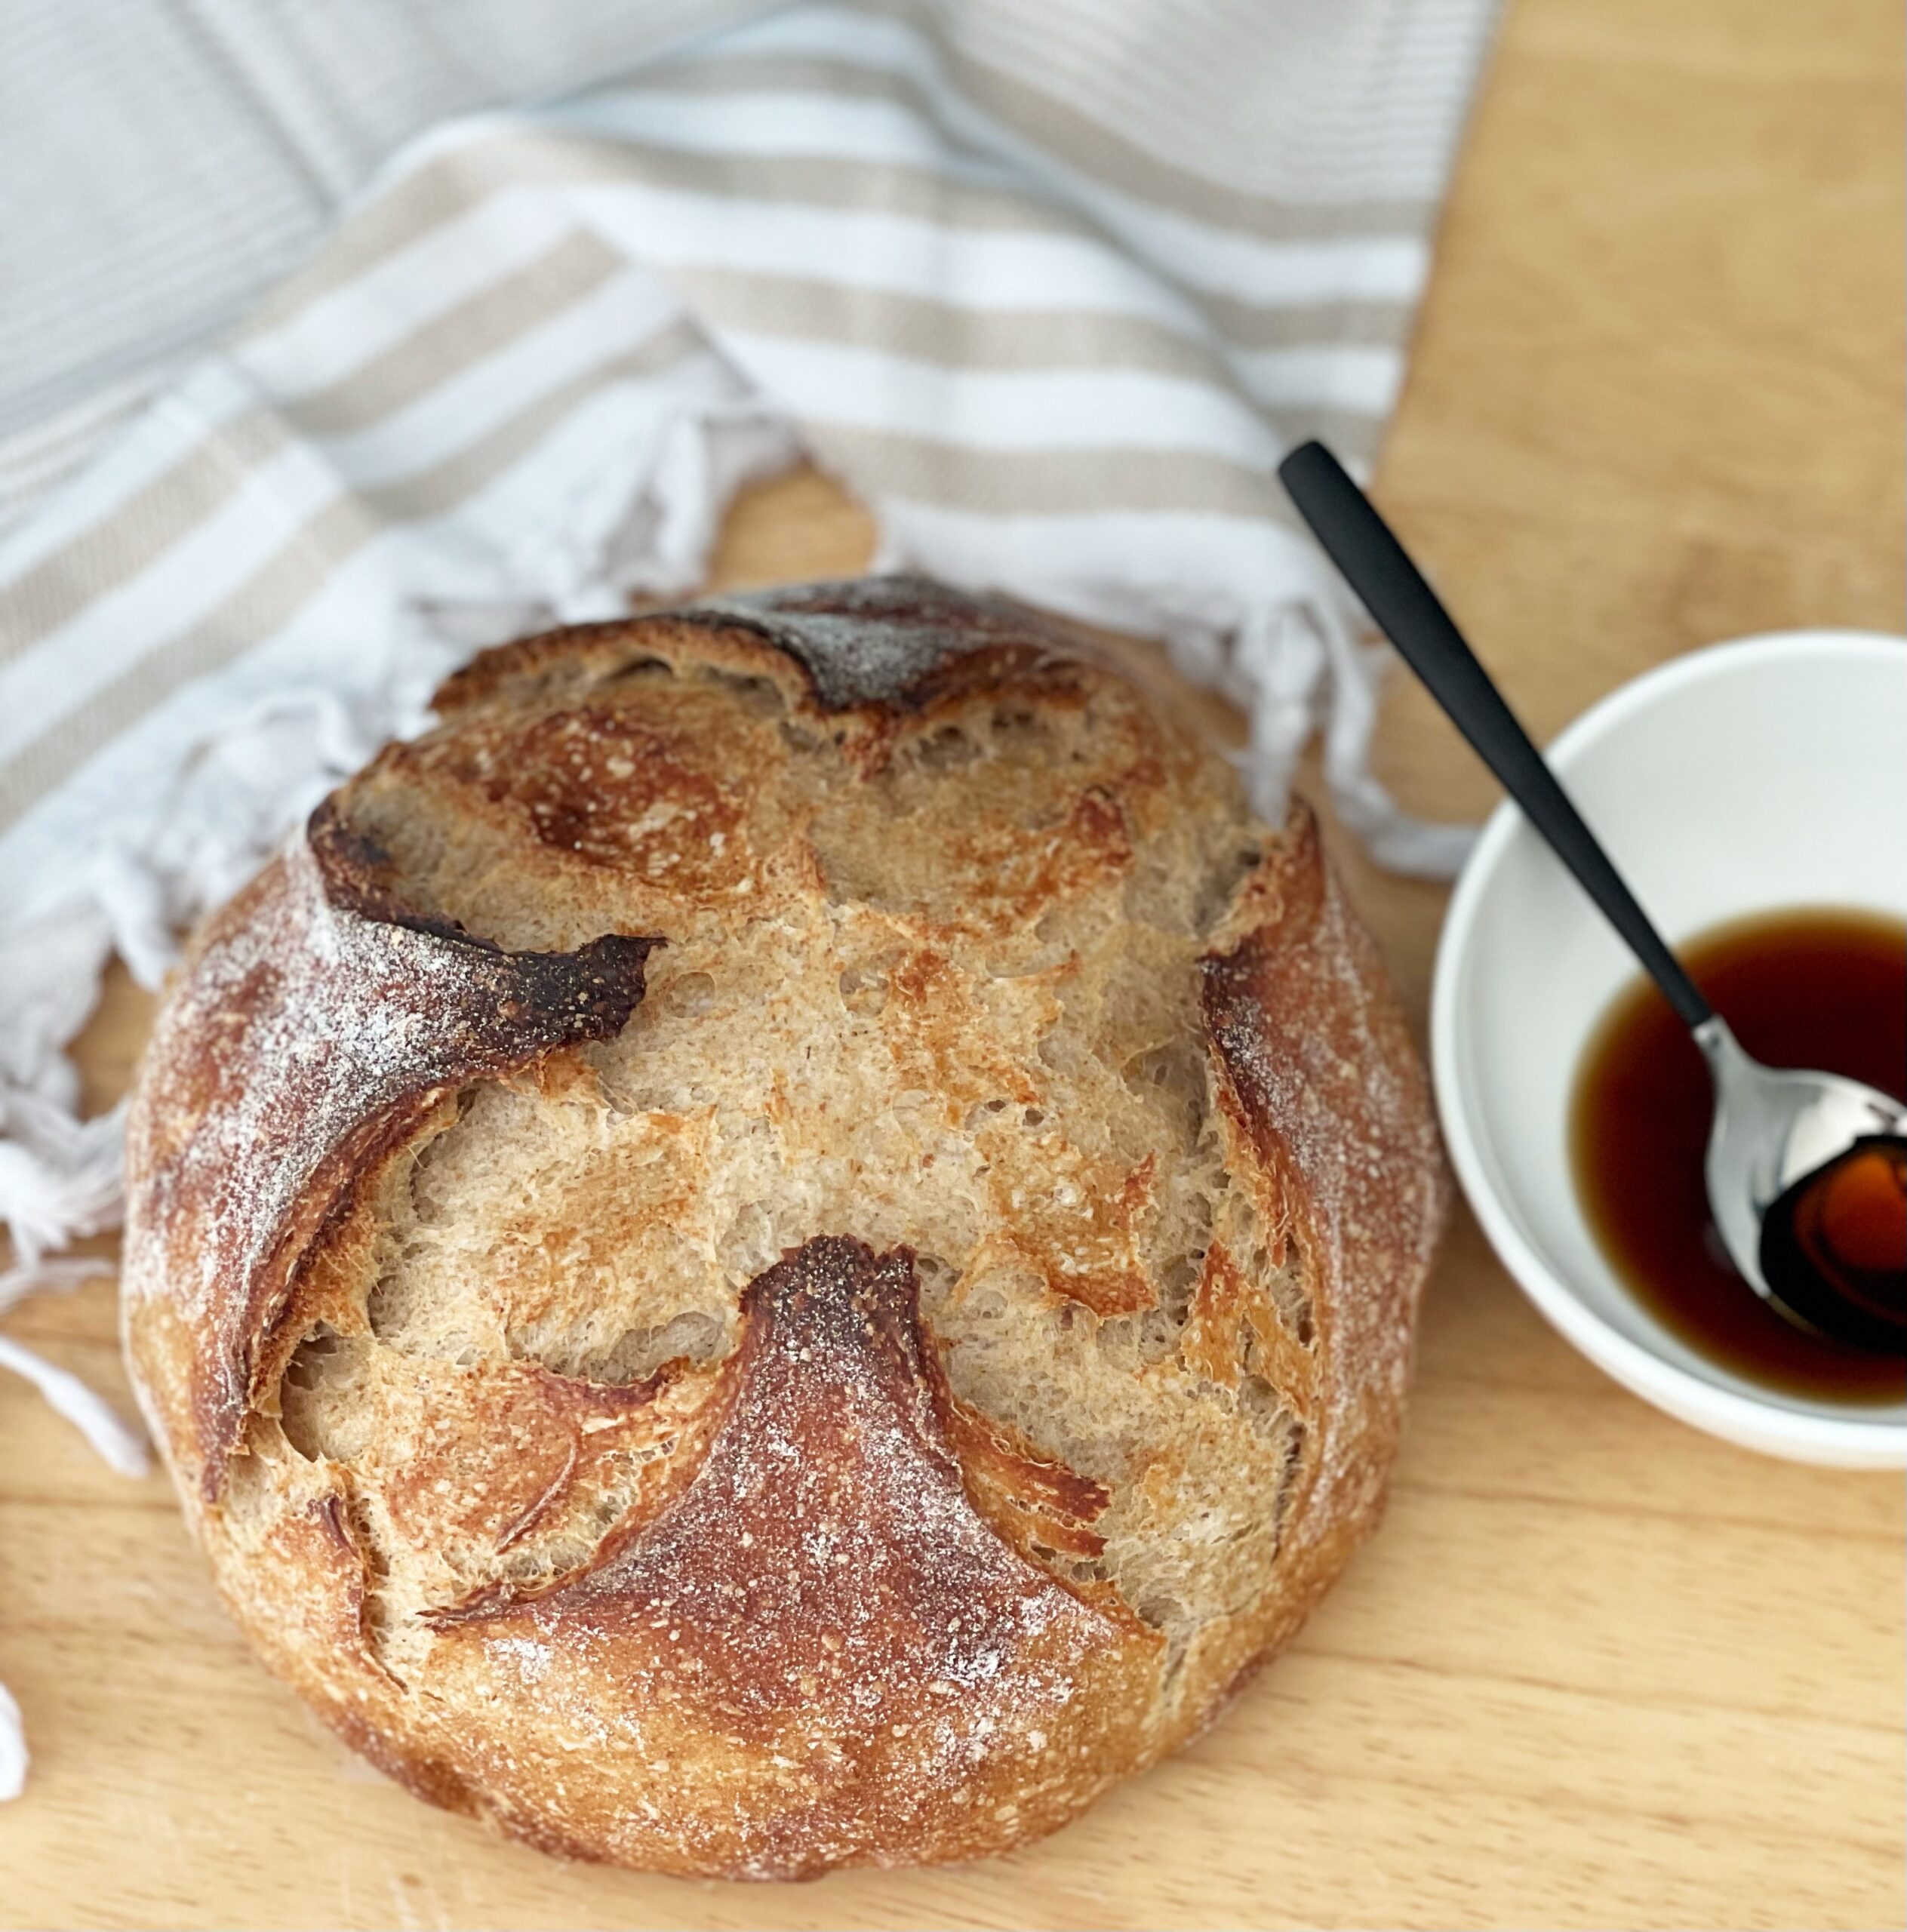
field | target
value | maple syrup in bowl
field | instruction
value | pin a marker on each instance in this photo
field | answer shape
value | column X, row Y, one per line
column 1820, row 988
column 1752, row 795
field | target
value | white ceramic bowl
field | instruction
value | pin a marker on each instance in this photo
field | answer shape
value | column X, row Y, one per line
column 1768, row 773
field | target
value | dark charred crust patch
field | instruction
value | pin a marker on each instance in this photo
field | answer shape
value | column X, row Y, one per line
column 547, row 999
column 320, row 1024
column 884, row 640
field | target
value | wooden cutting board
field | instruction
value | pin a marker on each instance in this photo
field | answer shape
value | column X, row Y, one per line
column 1596, row 1670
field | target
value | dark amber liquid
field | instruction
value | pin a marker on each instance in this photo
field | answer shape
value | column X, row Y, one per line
column 1809, row 987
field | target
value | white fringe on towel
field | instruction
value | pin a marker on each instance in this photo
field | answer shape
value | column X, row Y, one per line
column 231, row 795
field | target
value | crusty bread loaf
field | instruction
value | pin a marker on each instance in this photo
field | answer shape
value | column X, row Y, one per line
column 791, row 1243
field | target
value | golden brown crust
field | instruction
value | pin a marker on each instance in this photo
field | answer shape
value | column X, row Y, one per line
column 822, row 1599
column 453, row 1291
column 1320, row 1074
column 881, row 644
column 320, row 1024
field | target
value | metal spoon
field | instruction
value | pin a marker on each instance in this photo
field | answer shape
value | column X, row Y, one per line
column 1777, row 1132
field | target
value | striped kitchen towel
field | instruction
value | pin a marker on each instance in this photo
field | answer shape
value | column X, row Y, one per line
column 1050, row 289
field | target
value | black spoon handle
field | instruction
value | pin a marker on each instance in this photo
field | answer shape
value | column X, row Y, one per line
column 1375, row 565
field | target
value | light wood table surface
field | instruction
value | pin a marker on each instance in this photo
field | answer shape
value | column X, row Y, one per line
column 1596, row 1670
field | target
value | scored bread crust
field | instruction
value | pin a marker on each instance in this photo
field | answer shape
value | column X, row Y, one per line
column 789, row 1243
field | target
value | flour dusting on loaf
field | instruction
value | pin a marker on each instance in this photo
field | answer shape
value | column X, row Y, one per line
column 790, row 1243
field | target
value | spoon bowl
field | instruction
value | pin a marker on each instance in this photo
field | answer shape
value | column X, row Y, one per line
column 1775, row 1127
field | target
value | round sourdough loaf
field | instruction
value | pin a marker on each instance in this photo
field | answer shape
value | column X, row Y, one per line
column 791, row 1243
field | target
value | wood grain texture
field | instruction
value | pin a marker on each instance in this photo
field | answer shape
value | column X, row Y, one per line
column 1595, row 1669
